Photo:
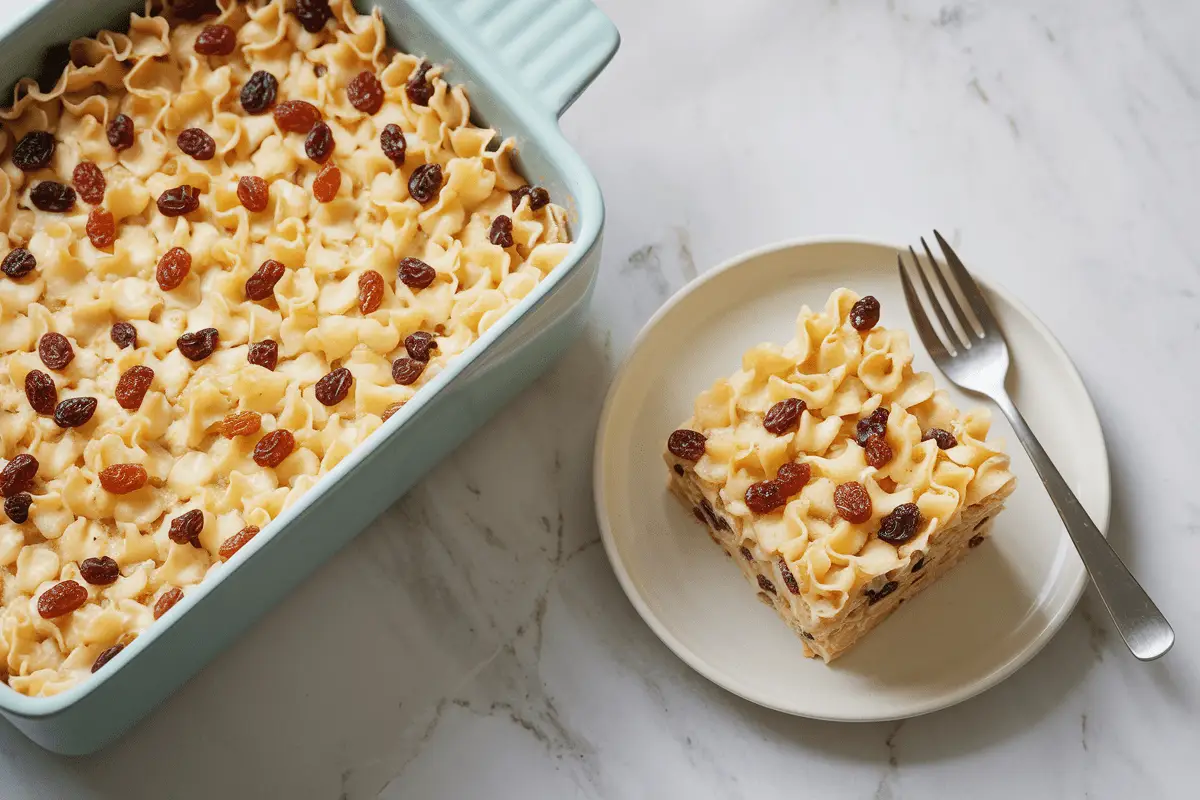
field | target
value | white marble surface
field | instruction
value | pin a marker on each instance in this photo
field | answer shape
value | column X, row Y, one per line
column 474, row 643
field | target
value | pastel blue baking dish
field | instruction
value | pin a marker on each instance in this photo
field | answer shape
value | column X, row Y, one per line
column 523, row 63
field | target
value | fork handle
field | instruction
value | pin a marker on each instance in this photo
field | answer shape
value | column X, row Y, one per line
column 1145, row 630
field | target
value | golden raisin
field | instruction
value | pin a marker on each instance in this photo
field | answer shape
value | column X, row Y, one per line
column 852, row 502
column 101, row 228
column 391, row 410
column 243, row 423
column 296, row 116
column 327, row 183
column 123, row 478
column 167, row 601
column 89, row 182
column 273, row 448
column 61, row 598
column 236, row 542
column 173, row 268
column 370, row 291
column 132, row 387
column 253, row 193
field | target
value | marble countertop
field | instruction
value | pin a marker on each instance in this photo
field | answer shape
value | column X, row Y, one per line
column 474, row 642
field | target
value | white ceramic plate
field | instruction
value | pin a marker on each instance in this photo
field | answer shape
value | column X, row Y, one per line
column 961, row 636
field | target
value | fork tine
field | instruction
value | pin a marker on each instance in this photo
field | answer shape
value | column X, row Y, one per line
column 951, row 336
column 929, row 337
column 970, row 289
column 968, row 329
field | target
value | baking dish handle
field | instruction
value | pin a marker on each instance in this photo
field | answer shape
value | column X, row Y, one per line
column 548, row 49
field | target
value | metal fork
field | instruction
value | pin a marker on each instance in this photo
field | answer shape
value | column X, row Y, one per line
column 977, row 359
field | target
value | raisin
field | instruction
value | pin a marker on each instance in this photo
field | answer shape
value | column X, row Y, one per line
column 120, row 132
column 976, row 541
column 17, row 507
column 901, row 524
column 243, row 423
column 89, row 182
column 679, row 470
column 40, row 391
column 391, row 410
column 216, row 40
column 319, row 70
column 326, row 184
column 179, row 201
column 261, row 284
column 765, row 496
column 132, row 387
column 55, row 351
column 852, row 502
column 236, row 542
column 18, row 263
column 167, row 601
column 980, row 524
column 698, row 514
column 253, row 193
column 879, row 452
column 199, row 345
column 539, row 198
column 864, row 314
column 518, row 193
column 197, row 144
column 686, row 444
column 258, row 95
column 52, row 196
column 61, row 598
column 34, row 151
column 416, row 274
column 765, row 584
column 333, row 388
column 945, row 439
column 788, row 578
column 187, row 527
column 425, row 183
column 420, row 345
column 18, row 474
column 746, row 554
column 107, row 656
column 793, row 477
column 365, row 92
column 74, row 412
column 273, row 448
column 296, row 116
column 418, row 88
column 920, row 565
column 370, row 291
column 194, row 9
column 318, row 145
column 406, row 371
column 173, row 268
column 313, row 14
column 99, row 571
column 124, row 335
column 874, row 425
column 784, row 415
column 123, row 479
column 101, row 228
column 501, row 233
column 394, row 145
column 884, row 591
column 264, row 354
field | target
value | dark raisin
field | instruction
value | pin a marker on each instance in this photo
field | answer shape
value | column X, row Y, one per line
column 101, row 228
column 34, row 151
column 179, row 201
column 864, row 314
column 313, row 14
column 89, row 182
column 296, row 116
column 878, row 451
column 18, row 474
column 420, row 345
column 920, row 565
column 197, row 144
column 901, row 524
column 18, row 263
column 370, row 291
column 198, row 345
column 187, row 527
column 16, row 506
column 40, row 391
column 319, row 70
column 107, row 656
column 318, row 145
column 519, row 193
column 501, row 233
column 980, row 524
column 784, row 415
column 52, row 196
column 709, row 514
column 124, row 335
column 173, row 268
column 789, row 579
column 216, row 40
column 765, row 584
column 686, row 444
column 264, row 354
column 852, row 502
column 764, row 497
column 258, row 95
column 976, row 541
column 99, row 571
column 746, row 554
column 123, row 478
column 194, row 9
column 55, row 351
column 539, row 198
column 261, row 284
column 425, row 183
column 236, row 542
column 333, row 388
column 793, row 477
column 60, row 599
column 699, row 515
column 253, row 193
column 679, row 470
column 394, row 145
column 406, row 371
column 874, row 425
column 365, row 92
column 167, row 601
column 884, row 591
column 74, row 412
column 120, row 132
column 416, row 274
column 273, row 448
column 326, row 184
column 945, row 439
column 132, row 387
column 418, row 88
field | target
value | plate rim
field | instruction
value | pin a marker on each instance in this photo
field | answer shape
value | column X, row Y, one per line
column 720, row 678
